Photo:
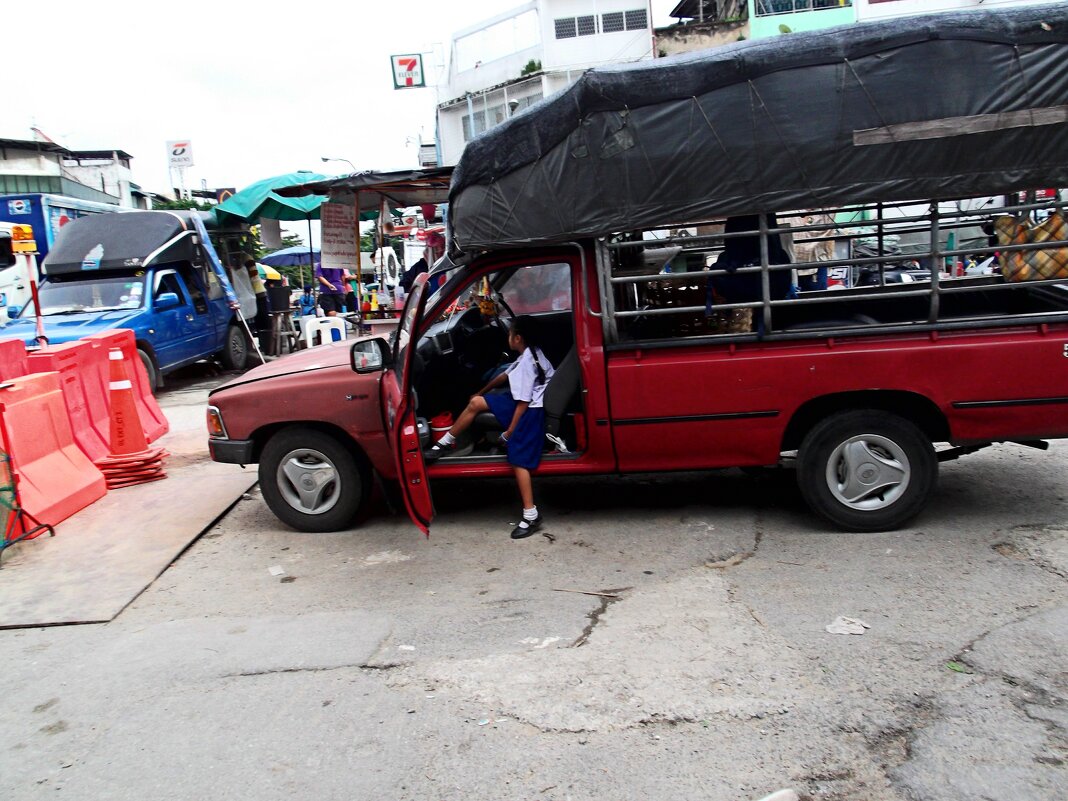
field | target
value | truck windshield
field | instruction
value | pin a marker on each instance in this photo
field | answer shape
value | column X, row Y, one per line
column 76, row 294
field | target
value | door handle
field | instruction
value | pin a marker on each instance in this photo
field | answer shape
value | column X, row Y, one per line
column 189, row 317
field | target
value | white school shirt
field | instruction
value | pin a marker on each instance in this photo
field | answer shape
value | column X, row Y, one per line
column 523, row 377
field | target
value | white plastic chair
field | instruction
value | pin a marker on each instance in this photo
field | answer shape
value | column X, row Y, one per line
column 331, row 329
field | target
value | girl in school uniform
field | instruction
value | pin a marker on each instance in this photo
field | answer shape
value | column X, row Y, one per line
column 519, row 410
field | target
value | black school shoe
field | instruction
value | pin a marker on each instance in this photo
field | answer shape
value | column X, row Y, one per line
column 526, row 528
column 436, row 451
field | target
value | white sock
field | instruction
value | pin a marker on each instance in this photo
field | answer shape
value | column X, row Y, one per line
column 530, row 514
column 446, row 440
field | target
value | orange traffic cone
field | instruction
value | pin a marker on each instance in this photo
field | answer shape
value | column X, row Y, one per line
column 131, row 461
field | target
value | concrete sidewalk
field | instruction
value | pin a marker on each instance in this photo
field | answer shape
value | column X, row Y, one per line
column 106, row 555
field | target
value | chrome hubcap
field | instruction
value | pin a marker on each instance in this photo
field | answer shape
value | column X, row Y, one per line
column 868, row 472
column 308, row 481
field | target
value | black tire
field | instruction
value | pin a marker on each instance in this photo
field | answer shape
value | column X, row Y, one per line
column 866, row 470
column 235, row 355
column 150, row 369
column 338, row 484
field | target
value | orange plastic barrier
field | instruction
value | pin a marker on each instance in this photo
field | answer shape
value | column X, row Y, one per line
column 83, row 377
column 130, row 461
column 12, row 359
column 55, row 479
column 153, row 423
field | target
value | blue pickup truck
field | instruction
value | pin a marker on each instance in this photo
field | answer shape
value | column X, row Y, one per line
column 147, row 271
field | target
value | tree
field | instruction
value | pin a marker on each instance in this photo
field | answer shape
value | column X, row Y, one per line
column 181, row 205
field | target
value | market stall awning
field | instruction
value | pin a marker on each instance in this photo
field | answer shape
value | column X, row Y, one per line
column 399, row 189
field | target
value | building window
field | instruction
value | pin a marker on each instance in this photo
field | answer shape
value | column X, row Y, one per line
column 765, row 8
column 486, row 118
column 474, row 124
column 617, row 21
column 524, row 102
column 637, row 20
column 570, row 27
column 612, row 23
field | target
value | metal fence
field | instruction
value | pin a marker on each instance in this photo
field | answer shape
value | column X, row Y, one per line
column 924, row 265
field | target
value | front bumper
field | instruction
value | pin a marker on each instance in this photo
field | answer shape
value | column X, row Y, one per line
column 232, row 451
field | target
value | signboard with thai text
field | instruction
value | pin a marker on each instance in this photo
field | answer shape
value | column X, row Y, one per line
column 338, row 246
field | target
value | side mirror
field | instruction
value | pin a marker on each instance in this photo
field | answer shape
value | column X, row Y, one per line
column 371, row 355
column 166, row 300
column 13, row 312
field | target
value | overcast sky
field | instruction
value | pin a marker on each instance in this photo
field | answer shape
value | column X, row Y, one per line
column 260, row 88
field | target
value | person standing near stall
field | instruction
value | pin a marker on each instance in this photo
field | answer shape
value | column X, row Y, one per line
column 331, row 289
column 263, row 316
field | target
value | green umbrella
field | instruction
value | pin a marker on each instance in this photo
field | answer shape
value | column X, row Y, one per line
column 260, row 201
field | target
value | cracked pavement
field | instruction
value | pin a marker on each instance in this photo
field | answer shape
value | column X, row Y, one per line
column 471, row 666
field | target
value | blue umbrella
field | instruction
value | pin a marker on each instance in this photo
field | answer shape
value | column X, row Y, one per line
column 290, row 257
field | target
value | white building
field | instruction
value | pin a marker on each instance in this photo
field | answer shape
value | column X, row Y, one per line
column 103, row 176
column 106, row 170
column 510, row 61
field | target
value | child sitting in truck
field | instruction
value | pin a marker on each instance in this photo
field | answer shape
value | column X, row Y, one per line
column 519, row 410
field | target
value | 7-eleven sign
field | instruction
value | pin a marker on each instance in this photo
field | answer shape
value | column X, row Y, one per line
column 407, row 71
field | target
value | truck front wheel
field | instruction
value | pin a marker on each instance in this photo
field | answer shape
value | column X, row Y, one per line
column 311, row 481
column 150, row 369
column 235, row 354
column 866, row 470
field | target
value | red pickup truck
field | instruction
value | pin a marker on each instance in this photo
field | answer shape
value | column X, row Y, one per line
column 694, row 329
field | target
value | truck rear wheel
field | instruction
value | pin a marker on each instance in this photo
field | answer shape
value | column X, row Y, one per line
column 235, row 355
column 866, row 470
column 311, row 481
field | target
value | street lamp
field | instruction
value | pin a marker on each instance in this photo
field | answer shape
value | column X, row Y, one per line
column 327, row 158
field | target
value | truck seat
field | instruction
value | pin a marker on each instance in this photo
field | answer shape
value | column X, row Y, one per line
column 561, row 391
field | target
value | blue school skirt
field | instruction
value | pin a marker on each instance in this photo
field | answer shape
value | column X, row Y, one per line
column 525, row 444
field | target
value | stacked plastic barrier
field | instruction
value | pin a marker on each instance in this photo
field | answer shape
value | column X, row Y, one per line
column 130, row 460
column 153, row 423
column 55, row 478
column 83, row 377
column 12, row 359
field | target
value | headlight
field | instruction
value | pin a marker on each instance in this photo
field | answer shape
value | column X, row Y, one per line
column 216, row 427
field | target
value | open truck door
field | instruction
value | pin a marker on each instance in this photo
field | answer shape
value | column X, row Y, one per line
column 399, row 406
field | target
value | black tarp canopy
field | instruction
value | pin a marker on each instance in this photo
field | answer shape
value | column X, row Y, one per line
column 122, row 241
column 399, row 189
column 934, row 106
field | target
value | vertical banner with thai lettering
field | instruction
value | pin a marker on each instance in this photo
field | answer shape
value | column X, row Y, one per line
column 338, row 236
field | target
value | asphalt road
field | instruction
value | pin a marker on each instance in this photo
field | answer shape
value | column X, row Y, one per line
column 267, row 664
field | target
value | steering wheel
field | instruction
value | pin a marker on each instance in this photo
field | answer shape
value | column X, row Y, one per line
column 511, row 314
column 469, row 322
